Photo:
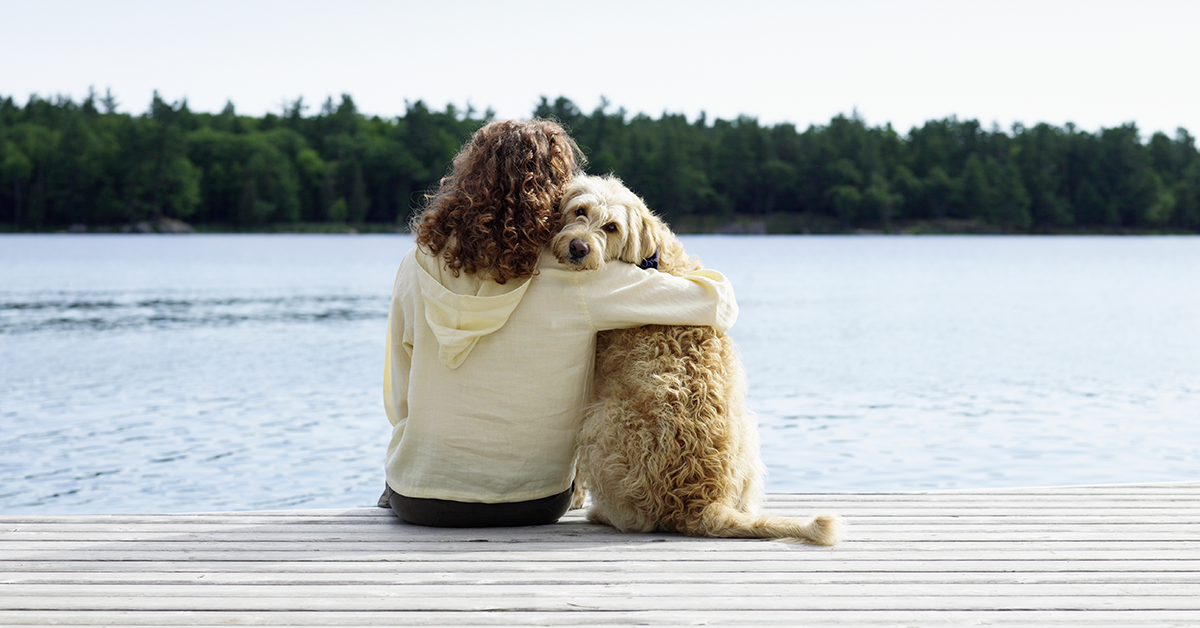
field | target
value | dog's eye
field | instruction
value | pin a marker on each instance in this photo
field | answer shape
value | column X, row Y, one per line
column 581, row 212
column 611, row 227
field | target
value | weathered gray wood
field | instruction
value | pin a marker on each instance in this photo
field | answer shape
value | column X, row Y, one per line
column 715, row 564
column 880, row 510
column 573, row 529
column 683, row 551
column 374, row 539
column 532, row 601
column 885, row 592
column 1059, row 556
column 586, row 617
column 477, row 578
column 371, row 541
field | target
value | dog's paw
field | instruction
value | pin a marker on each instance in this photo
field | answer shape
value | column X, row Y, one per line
column 578, row 497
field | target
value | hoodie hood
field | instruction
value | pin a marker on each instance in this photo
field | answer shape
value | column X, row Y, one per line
column 459, row 320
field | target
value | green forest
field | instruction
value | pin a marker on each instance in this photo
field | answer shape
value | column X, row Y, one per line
column 85, row 166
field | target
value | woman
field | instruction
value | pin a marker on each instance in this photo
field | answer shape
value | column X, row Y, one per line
column 491, row 341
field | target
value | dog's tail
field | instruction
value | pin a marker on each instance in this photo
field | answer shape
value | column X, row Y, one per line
column 719, row 520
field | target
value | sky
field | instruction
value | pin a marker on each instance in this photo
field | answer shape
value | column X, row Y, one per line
column 1096, row 63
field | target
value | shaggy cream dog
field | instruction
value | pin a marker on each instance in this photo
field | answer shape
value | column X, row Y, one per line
column 667, row 443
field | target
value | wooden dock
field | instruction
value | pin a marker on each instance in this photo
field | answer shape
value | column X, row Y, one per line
column 1077, row 556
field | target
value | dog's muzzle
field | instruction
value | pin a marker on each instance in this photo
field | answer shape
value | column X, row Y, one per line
column 578, row 249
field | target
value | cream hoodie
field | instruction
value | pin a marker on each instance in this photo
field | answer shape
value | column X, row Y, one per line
column 485, row 383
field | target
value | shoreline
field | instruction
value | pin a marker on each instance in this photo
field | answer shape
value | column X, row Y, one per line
column 739, row 226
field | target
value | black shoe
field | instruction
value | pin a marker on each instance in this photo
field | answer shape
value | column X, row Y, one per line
column 385, row 500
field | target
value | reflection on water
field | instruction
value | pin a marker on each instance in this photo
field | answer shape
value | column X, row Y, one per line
column 170, row 374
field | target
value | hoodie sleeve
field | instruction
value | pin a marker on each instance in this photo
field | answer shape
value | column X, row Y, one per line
column 397, row 362
column 622, row 295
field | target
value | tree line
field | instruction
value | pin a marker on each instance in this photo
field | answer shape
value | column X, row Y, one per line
column 66, row 163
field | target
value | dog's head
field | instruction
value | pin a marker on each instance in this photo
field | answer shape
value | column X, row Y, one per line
column 603, row 220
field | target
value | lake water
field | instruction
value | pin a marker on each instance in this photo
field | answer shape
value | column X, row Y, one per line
column 236, row 372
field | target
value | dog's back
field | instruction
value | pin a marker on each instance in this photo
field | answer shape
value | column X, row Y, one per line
column 666, row 430
column 667, row 443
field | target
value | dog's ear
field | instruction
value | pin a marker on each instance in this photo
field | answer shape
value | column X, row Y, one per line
column 643, row 238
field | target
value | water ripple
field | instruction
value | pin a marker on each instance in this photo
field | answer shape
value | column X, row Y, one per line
column 96, row 315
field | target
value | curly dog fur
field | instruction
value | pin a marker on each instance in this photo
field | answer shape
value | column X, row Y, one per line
column 667, row 443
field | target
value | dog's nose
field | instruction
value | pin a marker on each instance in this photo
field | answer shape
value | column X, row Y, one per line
column 578, row 248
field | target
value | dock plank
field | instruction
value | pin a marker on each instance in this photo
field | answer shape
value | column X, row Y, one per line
column 1125, row 555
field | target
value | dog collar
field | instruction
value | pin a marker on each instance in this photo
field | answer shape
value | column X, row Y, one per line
column 650, row 263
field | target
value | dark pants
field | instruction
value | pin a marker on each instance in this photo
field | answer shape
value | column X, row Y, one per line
column 443, row 513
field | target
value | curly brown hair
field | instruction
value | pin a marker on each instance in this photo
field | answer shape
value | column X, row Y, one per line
column 498, row 207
